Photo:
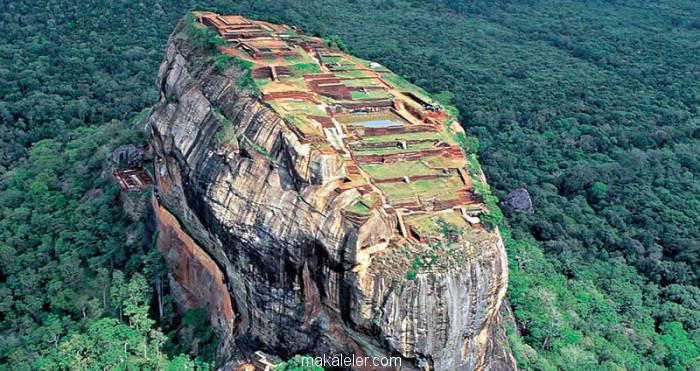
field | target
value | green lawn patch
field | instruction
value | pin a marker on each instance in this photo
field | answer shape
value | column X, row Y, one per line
column 360, row 82
column 370, row 94
column 392, row 150
column 302, row 124
column 352, row 73
column 398, row 169
column 441, row 188
column 304, row 68
column 402, row 136
column 440, row 162
column 297, row 107
column 358, row 208
column 403, row 85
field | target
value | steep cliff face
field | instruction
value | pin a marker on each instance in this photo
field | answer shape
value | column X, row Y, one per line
column 260, row 234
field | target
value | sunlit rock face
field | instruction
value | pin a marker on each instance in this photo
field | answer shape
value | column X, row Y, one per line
column 259, row 235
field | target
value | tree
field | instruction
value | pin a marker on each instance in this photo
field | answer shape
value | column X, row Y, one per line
column 118, row 292
column 108, row 343
column 156, row 273
column 599, row 191
column 298, row 363
column 681, row 354
column 138, row 294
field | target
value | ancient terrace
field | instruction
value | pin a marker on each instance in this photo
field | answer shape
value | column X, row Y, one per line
column 398, row 147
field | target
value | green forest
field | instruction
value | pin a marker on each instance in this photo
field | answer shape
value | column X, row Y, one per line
column 592, row 106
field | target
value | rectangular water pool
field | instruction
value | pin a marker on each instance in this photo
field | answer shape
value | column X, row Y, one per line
column 372, row 120
column 378, row 123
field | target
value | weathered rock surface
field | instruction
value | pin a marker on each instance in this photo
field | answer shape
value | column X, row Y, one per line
column 518, row 201
column 134, row 202
column 127, row 155
column 264, row 245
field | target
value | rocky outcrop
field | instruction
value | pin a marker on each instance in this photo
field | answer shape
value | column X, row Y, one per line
column 258, row 236
column 127, row 156
column 518, row 201
column 195, row 279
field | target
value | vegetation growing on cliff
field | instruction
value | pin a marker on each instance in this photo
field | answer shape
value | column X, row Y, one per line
column 245, row 81
column 449, row 243
column 441, row 249
column 226, row 133
column 205, row 37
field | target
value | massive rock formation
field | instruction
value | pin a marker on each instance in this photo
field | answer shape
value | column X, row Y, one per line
column 258, row 235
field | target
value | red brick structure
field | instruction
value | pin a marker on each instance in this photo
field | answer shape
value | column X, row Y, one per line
column 331, row 87
column 134, row 178
column 279, row 53
column 452, row 152
column 290, row 95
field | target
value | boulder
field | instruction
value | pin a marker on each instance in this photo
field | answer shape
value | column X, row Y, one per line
column 518, row 201
column 127, row 155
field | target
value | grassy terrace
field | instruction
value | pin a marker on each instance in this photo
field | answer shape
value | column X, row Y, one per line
column 303, row 58
column 402, row 136
column 398, row 169
column 403, row 85
column 391, row 150
column 440, row 162
column 363, row 204
column 296, row 112
column 358, row 207
column 261, row 82
column 297, row 107
column 300, row 69
column 289, row 84
column 361, row 82
column 333, row 59
column 303, row 124
column 429, row 223
column 443, row 188
column 355, row 73
column 352, row 119
column 371, row 94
